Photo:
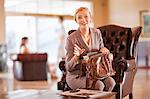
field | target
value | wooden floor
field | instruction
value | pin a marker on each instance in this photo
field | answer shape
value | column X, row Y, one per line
column 9, row 85
column 141, row 88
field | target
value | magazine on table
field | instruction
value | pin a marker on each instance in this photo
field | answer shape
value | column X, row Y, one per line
column 84, row 93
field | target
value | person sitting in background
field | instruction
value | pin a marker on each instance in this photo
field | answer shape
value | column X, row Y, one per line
column 23, row 46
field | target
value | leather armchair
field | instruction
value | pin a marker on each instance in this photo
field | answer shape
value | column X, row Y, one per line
column 30, row 67
column 121, row 41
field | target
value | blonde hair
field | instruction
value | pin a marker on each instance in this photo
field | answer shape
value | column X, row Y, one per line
column 81, row 9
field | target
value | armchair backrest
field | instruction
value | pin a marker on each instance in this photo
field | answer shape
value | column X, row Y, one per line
column 117, row 39
column 121, row 41
column 31, row 66
column 32, row 57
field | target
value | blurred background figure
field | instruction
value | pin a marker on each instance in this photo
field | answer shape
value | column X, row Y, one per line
column 23, row 46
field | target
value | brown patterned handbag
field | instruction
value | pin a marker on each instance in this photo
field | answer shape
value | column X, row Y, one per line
column 99, row 65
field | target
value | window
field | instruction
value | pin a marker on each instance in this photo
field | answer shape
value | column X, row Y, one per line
column 40, row 21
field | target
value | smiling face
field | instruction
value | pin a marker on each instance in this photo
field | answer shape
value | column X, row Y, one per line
column 83, row 17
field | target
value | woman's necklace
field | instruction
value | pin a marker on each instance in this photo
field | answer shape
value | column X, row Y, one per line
column 86, row 38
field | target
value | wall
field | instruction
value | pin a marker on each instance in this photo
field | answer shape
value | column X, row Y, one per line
column 121, row 12
column 2, row 23
column 101, row 13
column 127, row 12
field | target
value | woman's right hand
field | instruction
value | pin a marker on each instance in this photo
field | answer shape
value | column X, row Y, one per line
column 77, row 50
column 104, row 50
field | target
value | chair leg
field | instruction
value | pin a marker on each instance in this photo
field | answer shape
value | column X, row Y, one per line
column 119, row 91
column 130, row 96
